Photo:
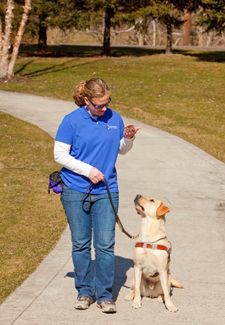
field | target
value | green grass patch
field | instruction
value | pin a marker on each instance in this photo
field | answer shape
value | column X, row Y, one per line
column 31, row 220
column 181, row 93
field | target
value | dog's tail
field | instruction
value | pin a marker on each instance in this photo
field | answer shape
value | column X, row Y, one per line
column 176, row 284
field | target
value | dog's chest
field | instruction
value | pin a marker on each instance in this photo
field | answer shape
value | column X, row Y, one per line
column 149, row 266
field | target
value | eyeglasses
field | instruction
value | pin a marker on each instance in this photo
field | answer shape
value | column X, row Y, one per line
column 101, row 105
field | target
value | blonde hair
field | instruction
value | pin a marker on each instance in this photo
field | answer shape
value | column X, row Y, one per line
column 92, row 88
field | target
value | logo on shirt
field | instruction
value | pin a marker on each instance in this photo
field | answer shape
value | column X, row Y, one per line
column 112, row 127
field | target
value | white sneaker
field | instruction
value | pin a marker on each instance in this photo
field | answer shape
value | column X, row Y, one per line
column 83, row 302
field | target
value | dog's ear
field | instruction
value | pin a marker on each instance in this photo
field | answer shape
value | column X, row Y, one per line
column 162, row 210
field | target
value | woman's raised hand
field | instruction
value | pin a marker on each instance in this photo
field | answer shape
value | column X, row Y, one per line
column 129, row 131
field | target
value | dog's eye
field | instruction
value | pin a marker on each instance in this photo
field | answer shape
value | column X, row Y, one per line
column 151, row 200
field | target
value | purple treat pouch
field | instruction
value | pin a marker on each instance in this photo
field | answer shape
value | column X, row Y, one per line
column 55, row 182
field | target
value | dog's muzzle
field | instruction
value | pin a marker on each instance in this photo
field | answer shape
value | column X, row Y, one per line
column 138, row 196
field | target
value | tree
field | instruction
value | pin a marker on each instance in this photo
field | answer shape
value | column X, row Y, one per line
column 191, row 6
column 135, row 14
column 110, row 10
column 167, row 12
column 106, row 8
column 108, row 15
column 9, row 50
column 187, row 27
column 212, row 15
column 56, row 13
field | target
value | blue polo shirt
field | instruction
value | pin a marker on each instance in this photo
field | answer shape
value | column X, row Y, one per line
column 95, row 142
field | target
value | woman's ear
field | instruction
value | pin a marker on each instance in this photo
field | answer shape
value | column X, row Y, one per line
column 86, row 100
column 162, row 210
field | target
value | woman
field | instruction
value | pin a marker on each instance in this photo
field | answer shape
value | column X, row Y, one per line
column 87, row 145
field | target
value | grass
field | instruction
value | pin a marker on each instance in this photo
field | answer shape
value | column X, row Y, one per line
column 84, row 51
column 31, row 220
column 182, row 94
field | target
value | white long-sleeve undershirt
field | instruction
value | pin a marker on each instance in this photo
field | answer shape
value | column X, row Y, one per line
column 63, row 157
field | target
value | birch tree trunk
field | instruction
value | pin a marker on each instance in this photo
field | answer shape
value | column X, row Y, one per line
column 18, row 38
column 1, row 35
column 6, row 42
column 153, row 33
column 7, row 61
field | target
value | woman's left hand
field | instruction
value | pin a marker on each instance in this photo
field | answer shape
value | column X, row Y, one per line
column 129, row 131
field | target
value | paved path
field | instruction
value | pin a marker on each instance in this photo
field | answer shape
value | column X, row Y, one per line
column 162, row 165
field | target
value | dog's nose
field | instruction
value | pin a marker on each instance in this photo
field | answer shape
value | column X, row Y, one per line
column 137, row 198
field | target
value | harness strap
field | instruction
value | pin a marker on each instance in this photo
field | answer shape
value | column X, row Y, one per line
column 152, row 246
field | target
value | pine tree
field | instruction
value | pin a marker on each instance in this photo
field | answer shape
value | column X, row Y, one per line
column 109, row 12
column 168, row 12
column 55, row 13
column 212, row 16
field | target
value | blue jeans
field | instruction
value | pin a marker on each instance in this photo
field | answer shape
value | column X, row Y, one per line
column 94, row 216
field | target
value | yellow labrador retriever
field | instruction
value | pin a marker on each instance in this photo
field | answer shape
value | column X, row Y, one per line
column 152, row 255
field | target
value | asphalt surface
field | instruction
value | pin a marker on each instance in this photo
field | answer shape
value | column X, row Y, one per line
column 189, row 180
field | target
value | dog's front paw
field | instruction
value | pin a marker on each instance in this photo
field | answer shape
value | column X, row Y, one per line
column 172, row 308
column 136, row 304
column 129, row 296
column 160, row 299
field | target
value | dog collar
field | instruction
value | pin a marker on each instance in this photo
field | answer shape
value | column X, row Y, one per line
column 152, row 246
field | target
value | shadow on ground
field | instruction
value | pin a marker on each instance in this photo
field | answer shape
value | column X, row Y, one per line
column 208, row 55
column 50, row 69
column 122, row 265
column 85, row 51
